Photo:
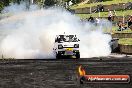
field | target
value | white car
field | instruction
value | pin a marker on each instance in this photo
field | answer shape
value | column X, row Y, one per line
column 66, row 45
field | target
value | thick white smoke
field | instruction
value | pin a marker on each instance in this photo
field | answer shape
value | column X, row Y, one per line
column 30, row 34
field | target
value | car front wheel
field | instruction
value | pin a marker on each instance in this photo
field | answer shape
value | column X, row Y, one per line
column 77, row 55
column 58, row 56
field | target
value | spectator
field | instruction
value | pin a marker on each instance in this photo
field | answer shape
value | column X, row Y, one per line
column 130, row 27
column 121, row 26
column 130, row 22
column 97, row 21
column 110, row 16
column 91, row 19
column 98, row 8
column 101, row 8
column 114, row 15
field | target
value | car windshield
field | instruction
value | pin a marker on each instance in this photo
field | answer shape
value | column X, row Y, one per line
column 67, row 38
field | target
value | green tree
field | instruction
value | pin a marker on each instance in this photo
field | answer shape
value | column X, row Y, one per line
column 1, row 6
column 4, row 3
column 66, row 0
column 76, row 1
column 49, row 2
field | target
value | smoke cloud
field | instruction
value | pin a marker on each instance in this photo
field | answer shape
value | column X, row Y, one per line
column 30, row 34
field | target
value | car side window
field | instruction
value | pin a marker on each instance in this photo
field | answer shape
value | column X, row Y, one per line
column 56, row 40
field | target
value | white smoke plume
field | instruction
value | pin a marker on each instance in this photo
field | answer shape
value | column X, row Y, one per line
column 30, row 34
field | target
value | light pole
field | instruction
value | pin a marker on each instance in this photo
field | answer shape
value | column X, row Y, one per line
column 99, row 13
column 123, row 13
column 90, row 9
column 32, row 1
column 42, row 3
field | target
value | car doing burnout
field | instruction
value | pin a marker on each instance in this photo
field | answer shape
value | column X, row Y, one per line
column 66, row 45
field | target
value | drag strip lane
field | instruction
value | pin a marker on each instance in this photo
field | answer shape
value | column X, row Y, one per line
column 59, row 73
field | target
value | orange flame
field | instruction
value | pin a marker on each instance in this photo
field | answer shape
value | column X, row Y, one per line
column 81, row 71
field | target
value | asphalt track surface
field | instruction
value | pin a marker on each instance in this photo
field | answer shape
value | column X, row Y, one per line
column 62, row 73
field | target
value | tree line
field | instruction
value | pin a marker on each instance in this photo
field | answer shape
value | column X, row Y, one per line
column 4, row 3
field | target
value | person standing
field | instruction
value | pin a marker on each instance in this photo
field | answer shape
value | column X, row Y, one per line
column 130, row 22
column 110, row 16
column 91, row 19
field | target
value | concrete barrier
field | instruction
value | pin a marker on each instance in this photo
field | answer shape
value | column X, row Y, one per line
column 78, row 11
column 108, row 7
column 112, row 7
column 125, row 49
column 86, row 10
column 122, row 35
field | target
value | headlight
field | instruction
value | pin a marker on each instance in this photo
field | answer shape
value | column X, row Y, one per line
column 76, row 45
column 60, row 47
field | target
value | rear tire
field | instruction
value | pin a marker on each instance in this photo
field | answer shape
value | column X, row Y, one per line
column 77, row 55
column 58, row 56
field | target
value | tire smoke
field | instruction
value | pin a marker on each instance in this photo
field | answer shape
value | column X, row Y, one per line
column 30, row 34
